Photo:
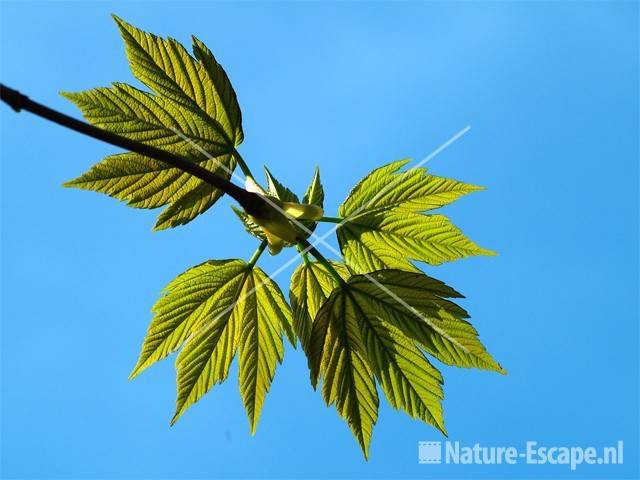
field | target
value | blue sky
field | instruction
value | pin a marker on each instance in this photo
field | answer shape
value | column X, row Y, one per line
column 550, row 91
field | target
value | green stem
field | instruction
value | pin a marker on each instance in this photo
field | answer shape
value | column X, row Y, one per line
column 243, row 165
column 331, row 219
column 303, row 254
column 325, row 263
column 256, row 255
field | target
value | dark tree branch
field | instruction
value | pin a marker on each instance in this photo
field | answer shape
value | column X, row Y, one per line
column 251, row 202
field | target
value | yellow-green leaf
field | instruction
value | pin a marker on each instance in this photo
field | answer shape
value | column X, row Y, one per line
column 393, row 238
column 193, row 113
column 277, row 189
column 211, row 311
column 311, row 284
column 265, row 313
column 382, row 226
column 166, row 67
column 418, row 305
column 225, row 108
column 374, row 326
column 188, row 301
column 407, row 378
column 338, row 355
column 315, row 192
column 207, row 354
column 313, row 196
column 248, row 313
column 386, row 187
column 249, row 225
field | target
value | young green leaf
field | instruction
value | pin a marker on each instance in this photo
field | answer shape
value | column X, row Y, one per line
column 225, row 108
column 311, row 284
column 382, row 226
column 407, row 378
column 168, row 69
column 249, row 225
column 418, row 305
column 313, row 196
column 277, row 189
column 260, row 345
column 338, row 355
column 211, row 311
column 188, row 301
column 392, row 238
column 141, row 181
column 315, row 192
column 206, row 356
column 372, row 326
column 413, row 189
column 193, row 113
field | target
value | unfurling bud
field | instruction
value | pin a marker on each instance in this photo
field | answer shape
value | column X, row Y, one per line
column 250, row 185
column 274, row 218
column 303, row 211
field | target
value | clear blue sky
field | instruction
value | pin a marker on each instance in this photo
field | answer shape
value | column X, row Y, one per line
column 551, row 94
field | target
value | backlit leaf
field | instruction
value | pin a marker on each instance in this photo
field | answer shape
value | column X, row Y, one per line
column 393, row 238
column 418, row 305
column 225, row 105
column 265, row 314
column 249, row 225
column 211, row 311
column 315, row 192
column 375, row 326
column 314, row 196
column 338, row 355
column 413, row 189
column 311, row 284
column 198, row 85
column 277, row 189
column 188, row 301
column 407, row 378
column 193, row 113
column 382, row 226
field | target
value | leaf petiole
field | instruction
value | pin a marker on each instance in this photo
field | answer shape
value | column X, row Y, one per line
column 242, row 164
column 308, row 247
column 256, row 255
column 304, row 254
column 331, row 219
